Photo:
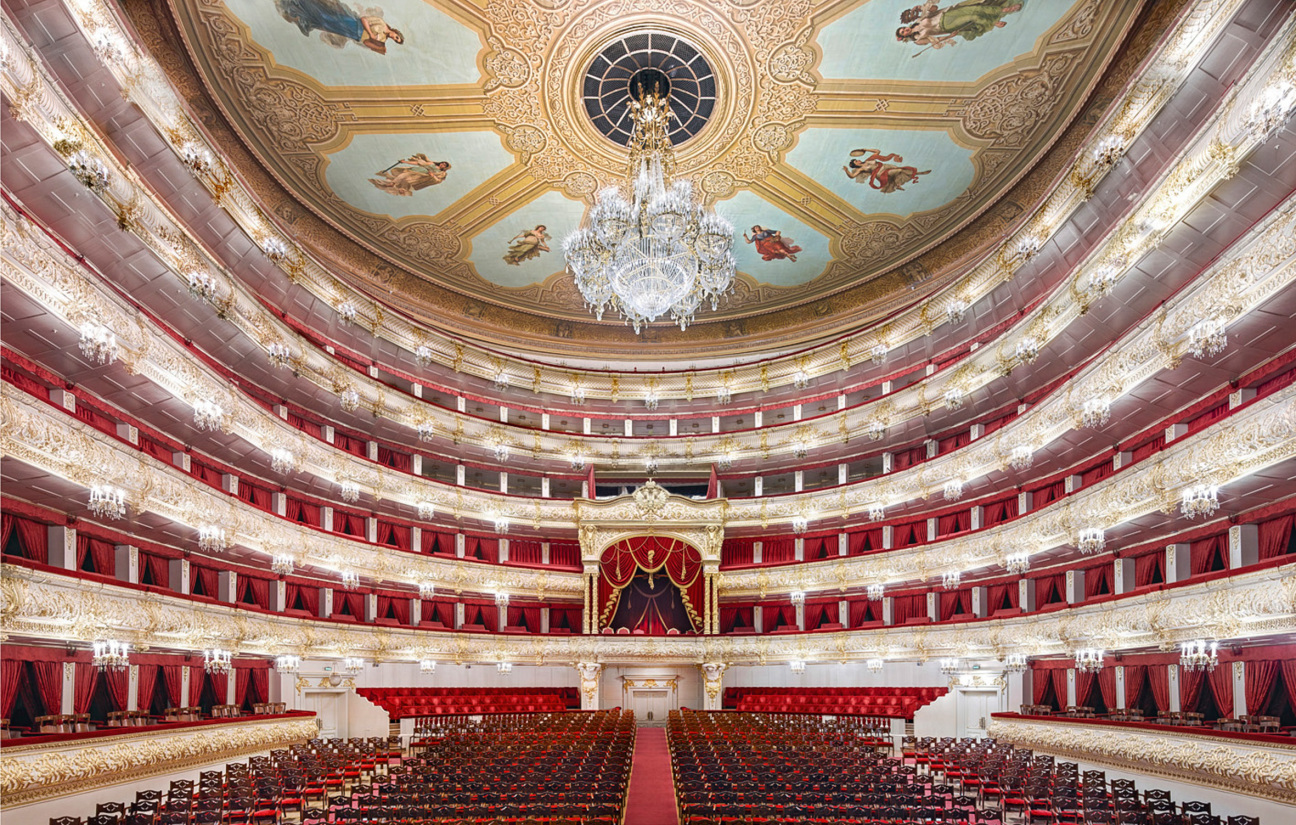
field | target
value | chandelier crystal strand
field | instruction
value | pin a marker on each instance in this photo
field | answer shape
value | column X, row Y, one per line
column 216, row 660
column 950, row 579
column 107, row 501
column 208, row 415
column 875, row 592
column 287, row 663
column 111, row 655
column 1015, row 663
column 1200, row 500
column 98, row 343
column 1091, row 540
column 660, row 252
column 1089, row 659
column 427, row 590
column 1198, row 655
column 281, row 460
column 282, row 565
column 874, row 665
column 1017, row 563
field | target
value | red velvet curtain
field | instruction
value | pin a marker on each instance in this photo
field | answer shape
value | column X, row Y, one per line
column 1147, row 566
column 1158, row 678
column 525, row 552
column 173, row 678
column 1134, row 675
column 85, row 679
column 778, row 551
column 862, row 611
column 34, row 538
column 1274, row 536
column 310, row 598
column 118, row 687
column 220, row 686
column 1221, row 687
column 1107, row 685
column 196, row 674
column 49, row 685
column 564, row 554
column 1084, row 686
column 104, row 556
column 680, row 562
column 242, row 678
column 1288, row 667
column 775, row 616
column 1259, row 679
column 260, row 684
column 159, row 568
column 1203, row 552
column 948, row 604
column 1098, row 580
column 147, row 684
column 442, row 612
column 11, row 674
column 1190, row 686
column 1060, row 686
column 1041, row 679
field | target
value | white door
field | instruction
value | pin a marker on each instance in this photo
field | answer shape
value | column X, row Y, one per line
column 328, row 709
column 652, row 705
column 974, row 709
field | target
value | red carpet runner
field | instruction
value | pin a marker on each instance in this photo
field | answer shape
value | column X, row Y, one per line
column 652, row 793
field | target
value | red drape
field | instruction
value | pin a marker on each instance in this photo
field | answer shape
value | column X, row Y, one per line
column 118, row 687
column 1146, row 568
column 525, row 552
column 652, row 554
column 1259, row 679
column 220, row 686
column 261, row 684
column 1158, row 678
column 147, row 684
column 242, row 678
column 1190, row 686
column 1288, row 667
column 1042, row 679
column 310, row 598
column 1203, row 552
column 564, row 554
column 1221, row 687
column 85, row 679
column 196, row 685
column 173, row 678
column 1084, row 686
column 1274, row 536
column 778, row 551
column 159, row 568
column 1098, row 580
column 1134, row 675
column 1107, row 685
column 948, row 603
column 1060, row 686
column 49, row 685
column 34, row 537
column 775, row 616
column 11, row 674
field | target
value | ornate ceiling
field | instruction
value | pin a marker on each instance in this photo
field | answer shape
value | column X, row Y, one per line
column 454, row 144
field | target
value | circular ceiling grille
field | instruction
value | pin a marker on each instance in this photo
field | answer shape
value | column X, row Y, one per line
column 607, row 84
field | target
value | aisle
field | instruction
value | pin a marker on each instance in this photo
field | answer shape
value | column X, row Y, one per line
column 652, row 793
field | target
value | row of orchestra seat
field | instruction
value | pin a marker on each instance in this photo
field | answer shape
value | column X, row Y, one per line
column 401, row 703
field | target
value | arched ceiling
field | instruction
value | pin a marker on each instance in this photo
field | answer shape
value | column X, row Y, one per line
column 434, row 135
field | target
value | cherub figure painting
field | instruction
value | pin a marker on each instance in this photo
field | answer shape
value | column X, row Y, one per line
column 935, row 27
column 527, row 244
column 405, row 177
column 339, row 24
column 876, row 169
column 771, row 244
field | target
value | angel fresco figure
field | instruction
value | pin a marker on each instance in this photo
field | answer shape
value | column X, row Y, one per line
column 339, row 25
column 405, row 177
column 874, row 168
column 527, row 244
column 935, row 27
column 771, row 244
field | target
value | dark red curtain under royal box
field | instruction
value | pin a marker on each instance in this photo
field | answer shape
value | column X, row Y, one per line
column 652, row 554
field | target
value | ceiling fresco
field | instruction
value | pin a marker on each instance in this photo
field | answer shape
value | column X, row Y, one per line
column 462, row 141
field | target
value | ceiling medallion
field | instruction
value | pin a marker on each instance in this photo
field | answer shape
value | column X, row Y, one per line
column 606, row 86
column 659, row 252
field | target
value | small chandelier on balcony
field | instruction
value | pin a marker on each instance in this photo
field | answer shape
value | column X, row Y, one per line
column 107, row 501
column 504, row 667
column 287, row 663
column 1091, row 540
column 279, row 353
column 798, row 598
column 1022, row 457
column 423, row 355
column 216, row 660
column 953, row 399
column 949, row 666
column 1015, row 663
column 111, row 655
column 800, row 524
column 348, row 491
column 874, row 665
column 1200, row 500
column 426, row 509
column 426, row 431
column 1017, row 563
column 1095, row 412
column 876, row 511
column 878, row 353
column 202, row 285
column 282, row 564
column 875, row 429
column 950, row 579
column 651, row 399
column 953, row 490
column 427, row 665
column 350, row 579
column 347, row 312
column 1197, row 655
column 349, row 399
column 500, row 521
column 281, row 460
column 501, row 599
column 208, row 415
column 353, row 665
column 800, row 379
column 724, row 394
column 98, row 344
column 1207, row 338
column 659, row 252
column 427, row 590
column 1089, row 659
column 798, row 666
column 211, row 538
column 875, row 592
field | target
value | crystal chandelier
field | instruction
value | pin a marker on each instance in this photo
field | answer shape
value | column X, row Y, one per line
column 426, row 430
column 501, row 600
column 1015, row 663
column 274, row 248
column 725, row 460
column 98, row 344
column 878, row 354
column 1197, row 655
column 1092, row 540
column 426, row 510
column 501, row 380
column 578, row 460
column 111, row 655
column 875, row 592
column 953, row 399
column 798, row 666
column 502, row 451
column 799, row 524
column 427, row 665
column 1017, row 563
column 651, row 399
column 282, row 565
column 874, row 665
column 287, row 663
column 1207, row 338
column 208, row 415
column 347, row 312
column 92, row 172
column 875, row 429
column 212, row 538
column 504, row 667
column 876, row 511
column 217, row 660
column 350, row 579
column 281, row 460
column 660, row 252
column 353, row 665
column 953, row 490
column 1027, row 350
column 950, row 579
column 349, row 491
column 349, row 399
column 1089, row 659
column 279, row 353
column 1095, row 413
column 956, row 310
column 949, row 666
column 800, row 379
column 427, row 590
column 423, row 355
column 202, row 285
column 577, row 393
column 724, row 395
column 1022, row 457
column 1200, row 500
column 107, row 501
column 798, row 598
column 500, row 521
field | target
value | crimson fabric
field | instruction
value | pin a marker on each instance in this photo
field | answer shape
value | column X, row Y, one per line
column 310, row 598
column 863, row 541
column 1096, row 474
column 729, row 618
column 1153, row 446
column 904, row 608
column 654, row 606
column 159, row 568
column 996, row 512
column 778, row 551
column 862, row 611
column 242, row 678
column 1134, row 676
column 442, row 612
column 118, row 682
column 11, row 674
column 355, row 603
column 1060, row 687
column 651, row 797
column 564, row 554
column 254, row 495
column 906, row 535
column 1259, row 680
column 1107, row 685
column 85, row 678
column 1288, row 667
column 948, row 604
column 1098, row 580
column 1084, row 686
column 1271, row 385
column 220, row 686
column 681, row 563
column 259, row 588
column 392, row 458
column 260, row 684
column 147, row 685
column 102, row 555
column 173, row 678
column 1221, row 687
column 1049, row 589
column 777, row 616
column 527, row 616
column 1042, row 680
column 1146, row 568
column 302, row 512
column 49, row 685
column 1203, row 553
column 821, row 613
column 1048, row 495
column 34, row 538
column 1210, row 416
column 393, row 535
column 6, row 528
column 204, row 578
column 196, row 685
column 995, row 596
column 1274, row 535
column 1190, row 686
column 953, row 523
column 525, row 552
column 820, row 547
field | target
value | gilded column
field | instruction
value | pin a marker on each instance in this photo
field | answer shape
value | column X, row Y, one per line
column 707, row 628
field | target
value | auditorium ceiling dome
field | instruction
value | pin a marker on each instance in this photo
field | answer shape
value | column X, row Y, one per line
column 436, row 154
